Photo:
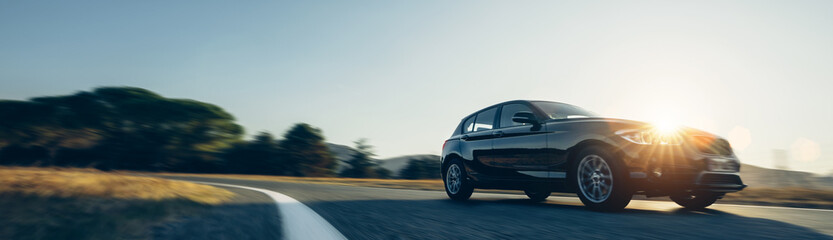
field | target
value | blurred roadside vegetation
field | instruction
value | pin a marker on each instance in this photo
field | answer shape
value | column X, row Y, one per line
column 360, row 164
column 421, row 168
column 128, row 128
column 132, row 128
column 71, row 203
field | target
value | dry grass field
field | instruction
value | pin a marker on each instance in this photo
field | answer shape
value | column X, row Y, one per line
column 69, row 203
column 789, row 197
column 424, row 184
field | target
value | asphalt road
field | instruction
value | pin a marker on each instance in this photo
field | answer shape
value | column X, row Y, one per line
column 377, row 213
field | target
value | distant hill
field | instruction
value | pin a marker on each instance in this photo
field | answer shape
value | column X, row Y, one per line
column 396, row 164
column 753, row 176
column 343, row 153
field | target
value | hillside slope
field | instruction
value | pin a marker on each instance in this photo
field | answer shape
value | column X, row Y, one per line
column 395, row 164
column 755, row 176
column 343, row 153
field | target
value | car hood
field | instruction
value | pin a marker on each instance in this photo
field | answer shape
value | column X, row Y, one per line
column 616, row 124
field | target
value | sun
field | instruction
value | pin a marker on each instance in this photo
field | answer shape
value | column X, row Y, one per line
column 666, row 127
column 665, row 120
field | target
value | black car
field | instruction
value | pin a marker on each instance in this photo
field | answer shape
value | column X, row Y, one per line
column 542, row 147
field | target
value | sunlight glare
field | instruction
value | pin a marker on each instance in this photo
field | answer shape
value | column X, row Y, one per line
column 665, row 127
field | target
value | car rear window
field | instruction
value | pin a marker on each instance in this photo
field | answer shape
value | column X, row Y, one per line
column 485, row 120
column 468, row 125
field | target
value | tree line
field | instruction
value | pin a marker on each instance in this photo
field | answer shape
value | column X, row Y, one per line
column 135, row 129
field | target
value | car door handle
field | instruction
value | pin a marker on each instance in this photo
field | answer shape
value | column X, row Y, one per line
column 465, row 137
column 498, row 134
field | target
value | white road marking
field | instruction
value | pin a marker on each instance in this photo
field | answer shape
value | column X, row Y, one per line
column 299, row 221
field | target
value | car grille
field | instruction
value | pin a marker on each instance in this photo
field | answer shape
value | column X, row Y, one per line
column 712, row 145
column 713, row 179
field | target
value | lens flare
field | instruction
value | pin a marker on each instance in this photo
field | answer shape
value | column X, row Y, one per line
column 805, row 150
column 666, row 132
column 666, row 127
column 740, row 138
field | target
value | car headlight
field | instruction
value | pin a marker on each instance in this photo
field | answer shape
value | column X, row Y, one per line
column 651, row 136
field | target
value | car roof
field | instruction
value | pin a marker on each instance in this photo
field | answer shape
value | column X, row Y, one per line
column 507, row 102
column 514, row 101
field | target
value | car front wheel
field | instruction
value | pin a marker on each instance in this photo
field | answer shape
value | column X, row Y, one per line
column 456, row 185
column 600, row 180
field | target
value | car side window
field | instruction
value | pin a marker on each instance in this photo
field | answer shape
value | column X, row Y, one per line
column 508, row 111
column 468, row 125
column 485, row 120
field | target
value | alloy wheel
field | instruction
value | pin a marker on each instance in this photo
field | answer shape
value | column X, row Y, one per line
column 595, row 178
column 452, row 179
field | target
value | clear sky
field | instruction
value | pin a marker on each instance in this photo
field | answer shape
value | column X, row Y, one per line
column 403, row 73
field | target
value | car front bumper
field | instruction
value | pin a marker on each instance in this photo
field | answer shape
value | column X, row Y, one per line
column 705, row 181
column 665, row 170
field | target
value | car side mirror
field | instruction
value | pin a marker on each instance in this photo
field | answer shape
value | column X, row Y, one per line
column 524, row 117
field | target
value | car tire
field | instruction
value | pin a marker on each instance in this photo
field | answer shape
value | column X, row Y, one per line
column 456, row 182
column 537, row 195
column 601, row 181
column 698, row 201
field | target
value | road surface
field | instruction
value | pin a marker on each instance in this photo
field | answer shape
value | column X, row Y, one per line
column 377, row 213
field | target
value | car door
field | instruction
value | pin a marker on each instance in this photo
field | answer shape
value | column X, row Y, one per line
column 520, row 146
column 477, row 137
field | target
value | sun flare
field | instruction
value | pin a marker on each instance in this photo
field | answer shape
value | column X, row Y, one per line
column 666, row 127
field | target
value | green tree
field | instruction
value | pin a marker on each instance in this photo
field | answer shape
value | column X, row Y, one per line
column 383, row 172
column 30, row 124
column 154, row 132
column 305, row 153
column 134, row 127
column 421, row 168
column 360, row 165
column 262, row 155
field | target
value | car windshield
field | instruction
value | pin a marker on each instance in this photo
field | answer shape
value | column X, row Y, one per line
column 556, row 110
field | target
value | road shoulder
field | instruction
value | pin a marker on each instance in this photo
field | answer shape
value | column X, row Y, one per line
column 249, row 215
